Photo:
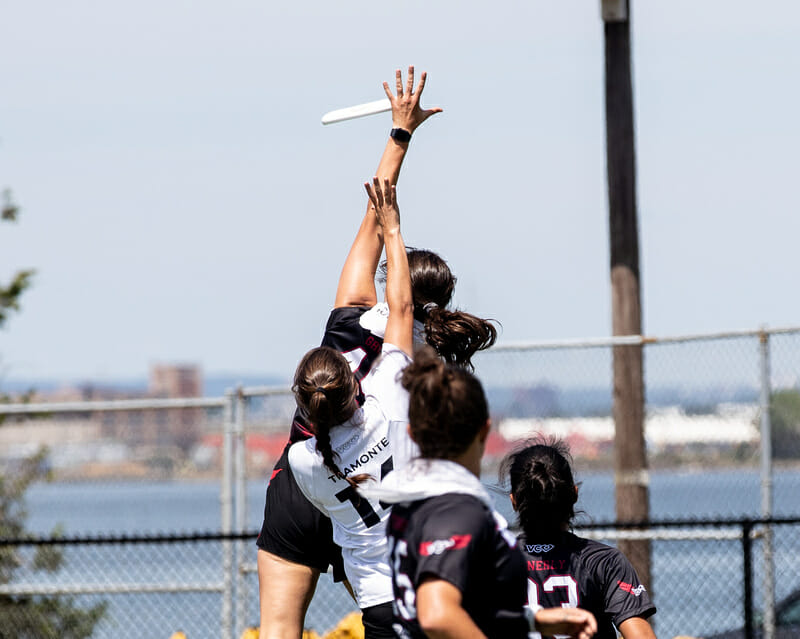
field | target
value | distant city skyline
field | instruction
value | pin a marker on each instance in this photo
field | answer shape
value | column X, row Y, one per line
column 181, row 201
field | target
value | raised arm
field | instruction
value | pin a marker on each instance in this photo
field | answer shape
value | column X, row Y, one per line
column 357, row 280
column 400, row 324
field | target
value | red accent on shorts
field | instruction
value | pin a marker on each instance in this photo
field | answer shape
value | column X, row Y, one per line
column 275, row 472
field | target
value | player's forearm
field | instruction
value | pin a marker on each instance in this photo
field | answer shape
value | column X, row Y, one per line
column 388, row 167
column 357, row 281
column 398, row 279
column 398, row 292
column 392, row 160
column 451, row 622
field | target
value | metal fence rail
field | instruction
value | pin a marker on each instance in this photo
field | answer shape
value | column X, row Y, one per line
column 734, row 388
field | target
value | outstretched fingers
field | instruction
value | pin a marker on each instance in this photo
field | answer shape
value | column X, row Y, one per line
column 383, row 201
column 407, row 113
column 375, row 194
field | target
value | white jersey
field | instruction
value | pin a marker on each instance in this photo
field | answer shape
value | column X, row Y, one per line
column 374, row 320
column 374, row 441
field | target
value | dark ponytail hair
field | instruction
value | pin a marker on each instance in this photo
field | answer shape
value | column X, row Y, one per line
column 325, row 389
column 455, row 335
column 447, row 406
column 543, row 487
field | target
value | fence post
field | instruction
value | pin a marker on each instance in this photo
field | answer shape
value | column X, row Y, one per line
column 226, row 502
column 241, row 508
column 766, row 486
column 747, row 548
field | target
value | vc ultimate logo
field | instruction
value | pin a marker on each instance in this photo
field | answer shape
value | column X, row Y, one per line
column 537, row 548
column 629, row 588
column 427, row 548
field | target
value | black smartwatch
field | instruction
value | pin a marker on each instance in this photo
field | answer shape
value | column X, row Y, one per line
column 400, row 135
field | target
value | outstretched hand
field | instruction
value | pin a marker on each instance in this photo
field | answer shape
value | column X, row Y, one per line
column 575, row 622
column 383, row 201
column 406, row 112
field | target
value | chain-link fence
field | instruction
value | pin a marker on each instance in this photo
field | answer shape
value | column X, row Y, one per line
column 705, row 583
column 118, row 586
column 174, row 467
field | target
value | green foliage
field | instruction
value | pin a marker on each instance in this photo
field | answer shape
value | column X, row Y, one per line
column 47, row 618
column 9, row 210
column 10, row 293
column 25, row 616
column 784, row 414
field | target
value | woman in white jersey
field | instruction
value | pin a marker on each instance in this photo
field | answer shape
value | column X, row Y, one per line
column 295, row 542
column 354, row 442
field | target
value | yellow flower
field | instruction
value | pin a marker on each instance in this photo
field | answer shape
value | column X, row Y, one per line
column 348, row 628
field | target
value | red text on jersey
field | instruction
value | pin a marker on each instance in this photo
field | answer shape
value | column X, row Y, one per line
column 629, row 588
column 437, row 547
column 555, row 564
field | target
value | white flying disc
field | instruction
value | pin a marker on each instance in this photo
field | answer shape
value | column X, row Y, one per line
column 357, row 111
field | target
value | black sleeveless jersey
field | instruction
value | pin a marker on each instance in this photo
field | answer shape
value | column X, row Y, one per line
column 578, row 572
column 360, row 346
column 455, row 537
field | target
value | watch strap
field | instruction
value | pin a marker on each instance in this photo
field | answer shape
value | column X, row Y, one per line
column 400, row 135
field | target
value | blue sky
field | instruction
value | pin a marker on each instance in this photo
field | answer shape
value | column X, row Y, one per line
column 182, row 202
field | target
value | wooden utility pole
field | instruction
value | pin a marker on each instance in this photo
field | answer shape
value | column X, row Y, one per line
column 630, row 461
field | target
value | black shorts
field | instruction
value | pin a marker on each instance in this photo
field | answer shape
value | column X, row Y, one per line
column 378, row 621
column 294, row 529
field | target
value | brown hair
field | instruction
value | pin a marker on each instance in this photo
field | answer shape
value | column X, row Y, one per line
column 455, row 335
column 447, row 406
column 325, row 389
column 543, row 487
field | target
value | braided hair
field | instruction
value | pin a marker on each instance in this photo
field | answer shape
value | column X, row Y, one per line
column 325, row 389
column 447, row 406
column 543, row 487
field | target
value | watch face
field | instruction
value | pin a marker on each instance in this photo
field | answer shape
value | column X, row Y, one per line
column 401, row 135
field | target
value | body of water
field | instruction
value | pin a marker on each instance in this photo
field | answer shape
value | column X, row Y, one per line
column 696, row 584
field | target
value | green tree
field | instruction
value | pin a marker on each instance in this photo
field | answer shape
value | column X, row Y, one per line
column 11, row 292
column 784, row 415
column 25, row 616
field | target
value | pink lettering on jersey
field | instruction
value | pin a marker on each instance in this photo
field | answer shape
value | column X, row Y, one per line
column 540, row 564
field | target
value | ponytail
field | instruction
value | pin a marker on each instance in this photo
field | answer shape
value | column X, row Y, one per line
column 543, row 488
column 447, row 406
column 456, row 335
column 326, row 389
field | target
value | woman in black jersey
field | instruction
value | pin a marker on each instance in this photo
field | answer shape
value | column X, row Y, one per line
column 295, row 542
column 563, row 569
column 456, row 569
